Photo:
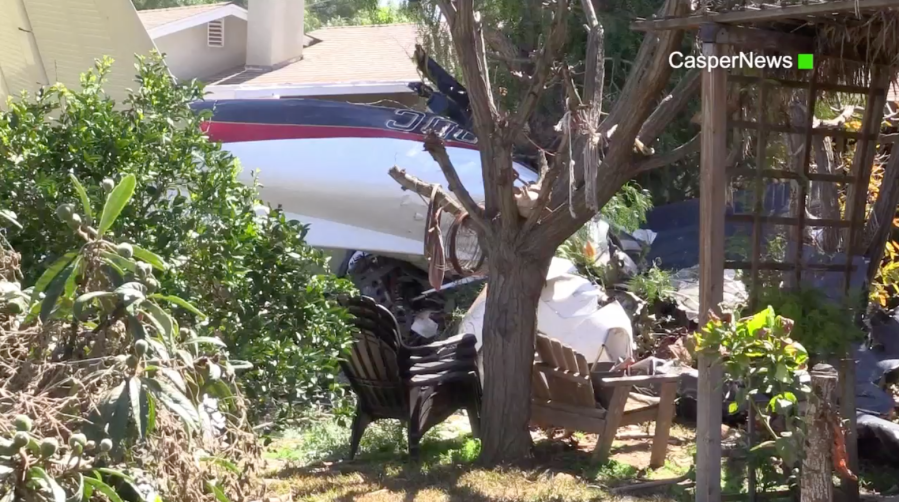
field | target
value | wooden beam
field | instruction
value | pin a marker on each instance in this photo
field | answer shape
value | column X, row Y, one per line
column 761, row 15
column 789, row 221
column 798, row 84
column 816, row 484
column 799, row 235
column 785, row 267
column 791, row 175
column 756, row 39
column 816, row 131
column 713, row 178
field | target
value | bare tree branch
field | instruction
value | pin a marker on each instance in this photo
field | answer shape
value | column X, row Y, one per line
column 548, row 176
column 595, row 62
column 558, row 34
column 435, row 146
column 670, row 106
column 668, row 158
column 409, row 182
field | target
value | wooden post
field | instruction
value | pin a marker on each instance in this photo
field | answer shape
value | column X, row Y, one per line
column 711, row 268
column 817, row 468
column 847, row 411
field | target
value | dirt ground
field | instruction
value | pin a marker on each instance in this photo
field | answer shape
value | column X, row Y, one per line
column 560, row 471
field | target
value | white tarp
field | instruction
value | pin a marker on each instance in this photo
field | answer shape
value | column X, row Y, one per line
column 569, row 311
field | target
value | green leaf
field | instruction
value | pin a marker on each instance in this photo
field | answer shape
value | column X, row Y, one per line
column 136, row 328
column 85, row 201
column 174, row 400
column 119, row 261
column 240, row 365
column 206, row 339
column 78, row 494
column 221, row 462
column 165, row 321
column 218, row 492
column 116, row 410
column 134, row 388
column 85, row 300
column 103, row 488
column 116, row 202
column 174, row 377
column 70, row 286
column 47, row 277
column 115, row 473
column 732, row 407
column 179, row 302
column 54, row 291
column 152, row 258
column 39, row 473
column 149, row 418
column 10, row 216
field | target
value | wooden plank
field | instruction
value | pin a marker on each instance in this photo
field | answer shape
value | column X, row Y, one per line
column 849, row 486
column 663, row 425
column 816, row 483
column 754, row 16
column 613, row 419
column 817, row 131
column 761, row 159
column 551, row 371
column 784, row 267
column 638, row 380
column 798, row 84
column 539, row 387
column 790, row 175
column 788, row 221
column 799, row 235
column 711, row 272
column 588, row 411
column 546, row 416
column 759, row 39
column 861, row 166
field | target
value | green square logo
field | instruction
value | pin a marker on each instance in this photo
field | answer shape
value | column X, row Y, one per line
column 806, row 62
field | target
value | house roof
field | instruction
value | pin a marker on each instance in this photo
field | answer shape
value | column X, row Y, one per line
column 161, row 22
column 51, row 41
column 340, row 55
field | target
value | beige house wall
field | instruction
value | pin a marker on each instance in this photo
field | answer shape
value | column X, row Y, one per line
column 188, row 55
column 47, row 41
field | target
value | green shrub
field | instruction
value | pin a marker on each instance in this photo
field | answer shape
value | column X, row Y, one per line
column 104, row 390
column 260, row 284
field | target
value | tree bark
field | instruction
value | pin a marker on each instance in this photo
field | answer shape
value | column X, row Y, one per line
column 509, row 331
column 817, row 472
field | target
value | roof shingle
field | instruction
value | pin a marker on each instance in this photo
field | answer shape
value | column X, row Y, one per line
column 155, row 18
column 381, row 53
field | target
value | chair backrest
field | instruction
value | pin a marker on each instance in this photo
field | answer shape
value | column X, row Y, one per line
column 561, row 375
column 372, row 366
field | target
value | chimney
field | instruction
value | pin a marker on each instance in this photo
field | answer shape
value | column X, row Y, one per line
column 274, row 32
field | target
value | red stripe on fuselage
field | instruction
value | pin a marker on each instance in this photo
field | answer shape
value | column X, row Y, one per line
column 237, row 132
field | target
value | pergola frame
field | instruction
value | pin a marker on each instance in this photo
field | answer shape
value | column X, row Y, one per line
column 718, row 33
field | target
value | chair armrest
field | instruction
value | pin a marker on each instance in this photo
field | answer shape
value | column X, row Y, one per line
column 458, row 341
column 638, row 380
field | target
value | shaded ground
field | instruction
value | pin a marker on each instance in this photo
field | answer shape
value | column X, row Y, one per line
column 307, row 466
column 561, row 470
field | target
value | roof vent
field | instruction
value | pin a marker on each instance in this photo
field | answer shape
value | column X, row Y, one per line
column 215, row 33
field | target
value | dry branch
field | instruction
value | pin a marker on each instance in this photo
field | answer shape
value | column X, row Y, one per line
column 435, row 146
column 665, row 159
column 442, row 198
column 670, row 106
column 555, row 42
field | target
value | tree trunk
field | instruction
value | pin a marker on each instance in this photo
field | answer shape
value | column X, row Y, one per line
column 510, row 328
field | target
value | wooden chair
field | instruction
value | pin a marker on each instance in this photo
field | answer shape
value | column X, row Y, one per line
column 421, row 386
column 564, row 396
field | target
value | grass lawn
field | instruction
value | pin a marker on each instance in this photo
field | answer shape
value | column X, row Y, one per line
column 306, row 466
column 309, row 465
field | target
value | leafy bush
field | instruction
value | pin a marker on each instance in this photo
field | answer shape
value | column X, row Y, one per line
column 652, row 285
column 760, row 355
column 145, row 407
column 265, row 291
column 825, row 328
